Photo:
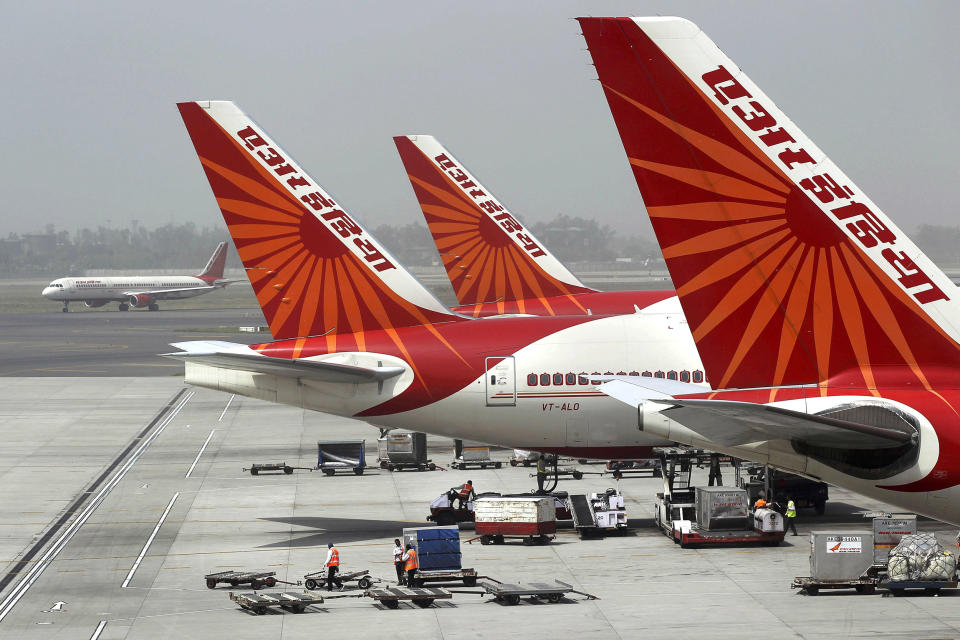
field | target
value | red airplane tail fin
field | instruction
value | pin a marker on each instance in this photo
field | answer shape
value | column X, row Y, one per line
column 489, row 255
column 787, row 272
column 214, row 269
column 315, row 269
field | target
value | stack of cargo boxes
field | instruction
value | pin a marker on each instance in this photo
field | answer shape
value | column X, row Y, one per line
column 438, row 548
column 514, row 516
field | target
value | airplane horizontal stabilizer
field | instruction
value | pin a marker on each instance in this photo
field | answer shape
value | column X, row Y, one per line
column 730, row 423
column 227, row 355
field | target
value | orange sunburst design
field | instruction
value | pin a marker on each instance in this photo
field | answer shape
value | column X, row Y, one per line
column 775, row 292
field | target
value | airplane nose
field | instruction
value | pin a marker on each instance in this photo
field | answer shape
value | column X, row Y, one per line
column 46, row 292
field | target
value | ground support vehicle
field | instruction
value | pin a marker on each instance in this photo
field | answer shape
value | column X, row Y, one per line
column 343, row 455
column 399, row 451
column 472, row 455
column 646, row 468
column 442, row 509
column 258, row 603
column 863, row 584
column 598, row 513
column 532, row 518
column 256, row 579
column 318, row 579
column 258, row 468
column 523, row 457
column 422, row 576
column 392, row 596
column 781, row 486
column 508, row 593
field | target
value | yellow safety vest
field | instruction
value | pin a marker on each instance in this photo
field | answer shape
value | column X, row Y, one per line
column 791, row 510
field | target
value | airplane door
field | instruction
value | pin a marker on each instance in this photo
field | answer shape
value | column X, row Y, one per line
column 501, row 381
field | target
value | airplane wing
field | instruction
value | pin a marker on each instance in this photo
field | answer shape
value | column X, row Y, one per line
column 169, row 293
column 733, row 423
column 228, row 355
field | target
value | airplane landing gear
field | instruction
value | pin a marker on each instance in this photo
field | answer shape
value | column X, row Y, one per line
column 153, row 307
column 65, row 307
column 124, row 306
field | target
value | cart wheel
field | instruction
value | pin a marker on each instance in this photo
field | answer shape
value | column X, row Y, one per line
column 865, row 588
column 617, row 475
column 300, row 608
column 483, row 466
column 255, row 584
column 432, row 467
column 577, row 475
column 421, row 467
column 391, row 604
column 270, row 582
column 364, row 583
column 329, row 472
column 391, row 467
column 513, row 463
column 358, row 471
column 897, row 592
column 234, row 583
column 383, row 464
column 497, row 465
column 499, row 540
column 288, row 470
column 470, row 581
column 812, row 591
column 555, row 597
column 526, row 463
column 310, row 584
column 544, row 540
column 423, row 603
column 211, row 584
column 254, row 472
column 260, row 611
column 486, row 539
column 512, row 599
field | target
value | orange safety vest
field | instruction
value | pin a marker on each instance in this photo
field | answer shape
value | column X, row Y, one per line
column 465, row 491
column 411, row 560
column 334, row 558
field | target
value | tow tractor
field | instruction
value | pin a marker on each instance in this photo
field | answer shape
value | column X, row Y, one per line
column 708, row 515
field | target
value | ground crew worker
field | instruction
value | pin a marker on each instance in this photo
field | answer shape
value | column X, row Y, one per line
column 715, row 470
column 790, row 516
column 541, row 472
column 333, row 567
column 465, row 494
column 760, row 503
column 398, row 560
column 410, row 564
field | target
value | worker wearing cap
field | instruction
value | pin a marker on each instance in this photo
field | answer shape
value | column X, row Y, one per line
column 410, row 564
column 333, row 567
column 541, row 472
column 466, row 494
column 398, row 560
column 791, row 516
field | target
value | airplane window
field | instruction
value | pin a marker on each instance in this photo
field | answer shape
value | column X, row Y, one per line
column 582, row 378
column 698, row 376
column 558, row 379
column 571, row 378
column 544, row 379
column 531, row 379
column 608, row 373
column 647, row 374
column 634, row 373
column 621, row 373
column 685, row 376
column 658, row 374
column 672, row 375
column 493, row 379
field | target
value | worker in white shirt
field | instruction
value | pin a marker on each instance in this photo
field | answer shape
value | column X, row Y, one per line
column 398, row 560
column 333, row 567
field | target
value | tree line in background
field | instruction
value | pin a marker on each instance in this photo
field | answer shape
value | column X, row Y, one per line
column 185, row 246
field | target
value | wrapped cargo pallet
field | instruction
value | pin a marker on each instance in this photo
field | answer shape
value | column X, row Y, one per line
column 499, row 516
column 920, row 557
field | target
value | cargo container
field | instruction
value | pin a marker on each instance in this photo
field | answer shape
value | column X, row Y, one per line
column 887, row 532
column 341, row 455
column 396, row 451
column 438, row 555
column 722, row 508
column 534, row 519
column 840, row 555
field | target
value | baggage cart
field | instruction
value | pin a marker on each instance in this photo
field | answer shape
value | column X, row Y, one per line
column 510, row 594
column 258, row 603
column 442, row 509
column 341, row 455
column 399, row 451
column 318, row 579
column 641, row 468
column 472, row 455
column 863, row 584
column 523, row 457
column 256, row 579
column 467, row 576
column 392, row 596
column 930, row 588
column 257, row 468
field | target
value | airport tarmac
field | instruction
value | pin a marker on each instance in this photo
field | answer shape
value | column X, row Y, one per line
column 121, row 493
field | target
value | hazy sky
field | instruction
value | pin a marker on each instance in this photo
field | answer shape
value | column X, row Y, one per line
column 91, row 132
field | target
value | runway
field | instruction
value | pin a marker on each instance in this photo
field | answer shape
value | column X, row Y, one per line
column 183, row 508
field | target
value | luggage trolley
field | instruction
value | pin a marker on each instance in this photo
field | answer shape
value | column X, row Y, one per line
column 510, row 594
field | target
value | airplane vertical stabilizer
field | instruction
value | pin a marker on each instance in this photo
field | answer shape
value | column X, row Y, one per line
column 315, row 269
column 787, row 272
column 214, row 269
column 488, row 254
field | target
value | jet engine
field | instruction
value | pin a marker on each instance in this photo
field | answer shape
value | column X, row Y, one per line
column 140, row 300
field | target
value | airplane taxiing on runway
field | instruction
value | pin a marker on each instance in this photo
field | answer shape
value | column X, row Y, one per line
column 832, row 342
column 139, row 291
column 495, row 264
column 358, row 336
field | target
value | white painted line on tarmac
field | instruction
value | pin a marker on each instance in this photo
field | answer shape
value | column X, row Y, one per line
column 146, row 546
column 197, row 459
column 20, row 588
column 226, row 407
column 98, row 630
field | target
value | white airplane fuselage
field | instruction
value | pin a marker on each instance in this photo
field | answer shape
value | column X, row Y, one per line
column 96, row 291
